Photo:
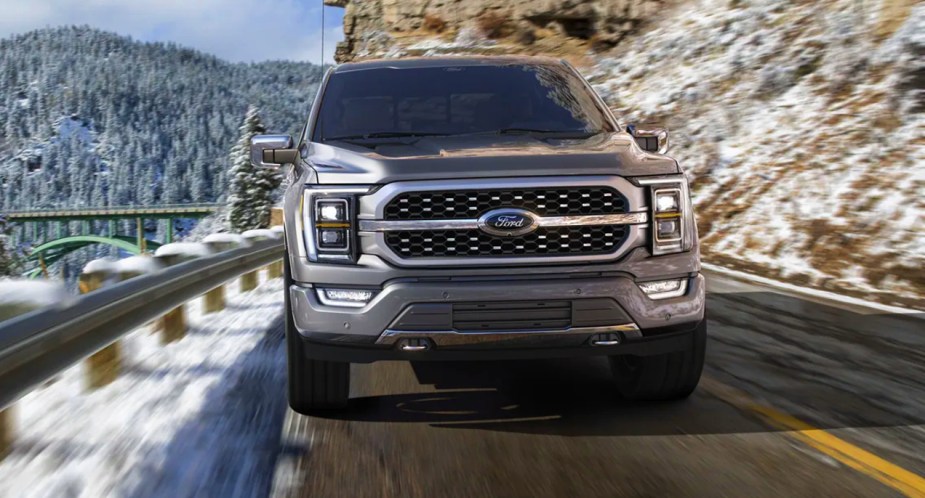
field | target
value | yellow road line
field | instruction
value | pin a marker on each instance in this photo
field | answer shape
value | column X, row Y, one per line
column 892, row 475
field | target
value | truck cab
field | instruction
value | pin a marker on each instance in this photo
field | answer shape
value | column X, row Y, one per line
column 483, row 208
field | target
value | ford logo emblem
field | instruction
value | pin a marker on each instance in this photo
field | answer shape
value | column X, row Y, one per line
column 508, row 222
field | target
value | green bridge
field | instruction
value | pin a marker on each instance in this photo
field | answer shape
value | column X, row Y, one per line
column 55, row 224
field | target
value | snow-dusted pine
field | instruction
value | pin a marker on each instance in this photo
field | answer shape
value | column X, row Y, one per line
column 252, row 187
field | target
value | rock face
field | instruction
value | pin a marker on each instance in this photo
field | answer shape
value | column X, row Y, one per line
column 375, row 28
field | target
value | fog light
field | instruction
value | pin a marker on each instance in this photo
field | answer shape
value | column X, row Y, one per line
column 355, row 298
column 664, row 289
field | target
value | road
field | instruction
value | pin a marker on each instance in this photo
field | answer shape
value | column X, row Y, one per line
column 800, row 398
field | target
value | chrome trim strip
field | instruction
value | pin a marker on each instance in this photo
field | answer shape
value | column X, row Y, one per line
column 595, row 219
column 467, row 224
column 458, row 337
column 397, row 225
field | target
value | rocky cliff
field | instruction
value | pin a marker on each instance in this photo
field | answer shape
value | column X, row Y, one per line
column 376, row 28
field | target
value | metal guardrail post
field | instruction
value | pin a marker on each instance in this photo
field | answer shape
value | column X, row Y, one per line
column 173, row 324
column 214, row 300
column 6, row 431
column 104, row 366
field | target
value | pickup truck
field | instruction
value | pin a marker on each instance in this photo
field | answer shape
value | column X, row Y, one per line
column 483, row 208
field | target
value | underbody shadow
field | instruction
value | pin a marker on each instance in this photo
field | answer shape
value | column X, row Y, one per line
column 832, row 367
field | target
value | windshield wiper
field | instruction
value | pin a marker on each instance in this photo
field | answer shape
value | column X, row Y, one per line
column 528, row 131
column 387, row 134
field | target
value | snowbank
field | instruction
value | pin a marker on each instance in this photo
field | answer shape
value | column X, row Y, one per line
column 190, row 249
column 137, row 264
column 102, row 265
column 31, row 293
column 262, row 233
column 225, row 238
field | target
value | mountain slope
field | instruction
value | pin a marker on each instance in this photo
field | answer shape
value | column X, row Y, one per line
column 801, row 126
column 90, row 118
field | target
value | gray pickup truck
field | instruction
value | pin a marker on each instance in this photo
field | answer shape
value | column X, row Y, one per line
column 483, row 208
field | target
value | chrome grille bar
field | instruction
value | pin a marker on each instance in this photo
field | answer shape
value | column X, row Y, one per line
column 466, row 224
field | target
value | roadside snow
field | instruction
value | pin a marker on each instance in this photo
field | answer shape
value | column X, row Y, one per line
column 137, row 264
column 193, row 249
column 225, row 238
column 36, row 293
column 261, row 233
column 823, row 295
column 102, row 265
column 199, row 417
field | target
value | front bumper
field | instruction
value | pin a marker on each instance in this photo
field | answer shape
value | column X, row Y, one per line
column 379, row 331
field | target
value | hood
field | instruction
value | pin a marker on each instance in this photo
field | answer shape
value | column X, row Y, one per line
column 484, row 156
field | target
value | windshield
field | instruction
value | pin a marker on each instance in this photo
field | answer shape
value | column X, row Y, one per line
column 398, row 102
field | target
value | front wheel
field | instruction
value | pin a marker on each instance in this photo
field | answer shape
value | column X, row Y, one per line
column 313, row 384
column 663, row 377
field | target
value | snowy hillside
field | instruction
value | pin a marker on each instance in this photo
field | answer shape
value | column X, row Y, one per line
column 801, row 126
column 89, row 118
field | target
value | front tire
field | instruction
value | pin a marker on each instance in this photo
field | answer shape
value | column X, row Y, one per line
column 663, row 377
column 313, row 384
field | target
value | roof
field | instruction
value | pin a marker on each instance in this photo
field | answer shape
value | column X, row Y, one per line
column 445, row 61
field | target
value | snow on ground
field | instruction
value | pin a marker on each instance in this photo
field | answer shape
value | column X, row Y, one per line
column 225, row 238
column 260, row 233
column 192, row 249
column 199, row 417
column 35, row 293
column 140, row 265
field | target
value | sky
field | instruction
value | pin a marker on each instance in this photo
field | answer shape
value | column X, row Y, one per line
column 235, row 30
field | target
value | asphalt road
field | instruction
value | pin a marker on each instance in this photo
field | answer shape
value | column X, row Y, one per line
column 800, row 398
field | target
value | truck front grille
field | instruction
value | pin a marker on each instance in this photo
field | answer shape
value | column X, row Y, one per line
column 544, row 241
column 462, row 204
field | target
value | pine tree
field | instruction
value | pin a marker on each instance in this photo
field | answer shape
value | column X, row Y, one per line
column 9, row 262
column 252, row 188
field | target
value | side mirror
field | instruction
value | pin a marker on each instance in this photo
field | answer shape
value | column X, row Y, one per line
column 650, row 139
column 272, row 151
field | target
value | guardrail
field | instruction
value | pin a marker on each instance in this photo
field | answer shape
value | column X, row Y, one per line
column 39, row 345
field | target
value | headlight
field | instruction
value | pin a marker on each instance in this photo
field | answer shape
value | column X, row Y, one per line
column 329, row 220
column 332, row 222
column 332, row 210
column 672, row 219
